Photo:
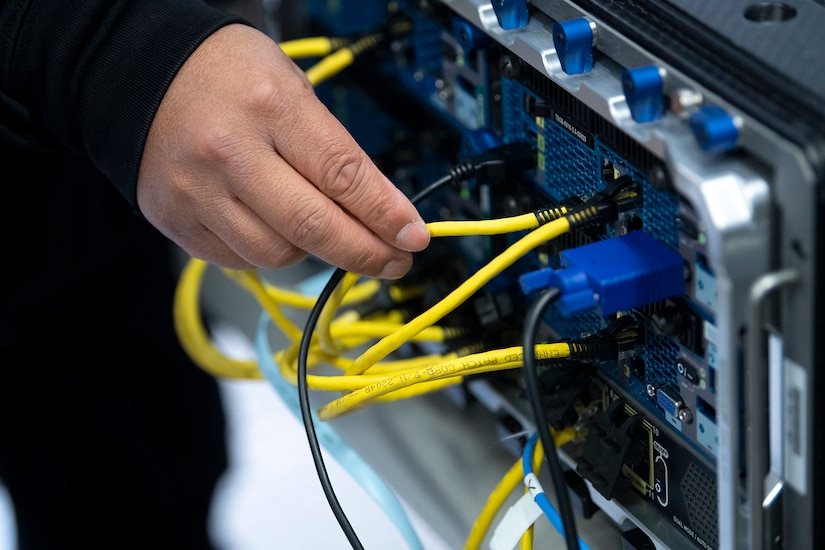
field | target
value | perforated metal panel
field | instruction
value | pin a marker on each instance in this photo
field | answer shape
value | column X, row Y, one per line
column 699, row 492
column 660, row 355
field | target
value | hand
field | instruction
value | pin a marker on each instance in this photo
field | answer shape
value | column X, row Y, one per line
column 244, row 167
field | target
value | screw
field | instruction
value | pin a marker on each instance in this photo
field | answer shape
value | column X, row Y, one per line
column 651, row 390
column 658, row 178
column 559, row 38
column 509, row 67
column 684, row 415
column 628, row 86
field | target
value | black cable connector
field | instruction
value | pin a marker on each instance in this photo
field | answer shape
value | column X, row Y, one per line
column 606, row 344
column 618, row 196
column 497, row 164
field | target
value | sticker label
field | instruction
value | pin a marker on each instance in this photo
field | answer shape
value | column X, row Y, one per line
column 574, row 129
column 796, row 426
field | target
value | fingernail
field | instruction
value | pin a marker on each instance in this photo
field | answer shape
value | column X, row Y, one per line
column 413, row 237
column 395, row 269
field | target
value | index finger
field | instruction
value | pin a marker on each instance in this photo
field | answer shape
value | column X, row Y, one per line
column 315, row 143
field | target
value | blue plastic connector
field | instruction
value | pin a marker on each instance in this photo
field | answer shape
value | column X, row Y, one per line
column 574, row 45
column 644, row 88
column 469, row 37
column 715, row 130
column 511, row 14
column 535, row 281
column 614, row 275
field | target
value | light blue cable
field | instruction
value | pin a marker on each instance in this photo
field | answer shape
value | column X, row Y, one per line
column 346, row 456
column 538, row 491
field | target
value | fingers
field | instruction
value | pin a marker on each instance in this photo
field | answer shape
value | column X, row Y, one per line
column 311, row 221
column 215, row 227
column 311, row 140
column 249, row 238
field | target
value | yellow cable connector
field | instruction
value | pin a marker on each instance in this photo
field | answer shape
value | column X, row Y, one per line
column 312, row 46
column 498, row 226
column 339, row 60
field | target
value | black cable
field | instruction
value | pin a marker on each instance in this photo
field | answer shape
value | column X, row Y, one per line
column 303, row 388
column 306, row 412
column 531, row 378
column 433, row 187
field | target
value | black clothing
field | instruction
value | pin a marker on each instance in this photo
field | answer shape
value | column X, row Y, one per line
column 90, row 75
column 109, row 436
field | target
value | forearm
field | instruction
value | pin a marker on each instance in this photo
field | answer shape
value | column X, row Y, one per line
column 90, row 75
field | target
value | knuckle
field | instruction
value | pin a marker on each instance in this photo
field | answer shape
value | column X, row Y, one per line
column 265, row 95
column 343, row 170
column 217, row 144
column 312, row 222
column 274, row 97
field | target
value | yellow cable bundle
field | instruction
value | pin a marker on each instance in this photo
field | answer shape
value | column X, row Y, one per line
column 517, row 250
column 246, row 279
column 192, row 334
column 458, row 367
column 337, row 335
column 399, row 379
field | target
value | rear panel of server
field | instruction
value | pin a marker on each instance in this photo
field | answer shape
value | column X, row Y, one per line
column 715, row 401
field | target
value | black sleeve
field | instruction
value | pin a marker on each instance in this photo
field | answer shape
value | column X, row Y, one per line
column 89, row 75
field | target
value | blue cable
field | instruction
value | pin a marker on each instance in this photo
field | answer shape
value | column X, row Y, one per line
column 538, row 491
column 369, row 480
